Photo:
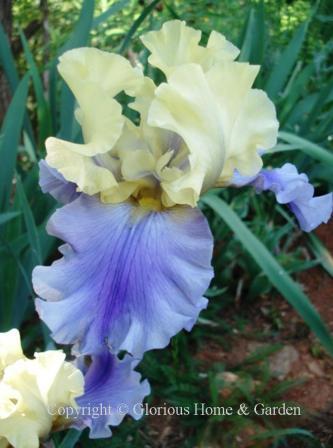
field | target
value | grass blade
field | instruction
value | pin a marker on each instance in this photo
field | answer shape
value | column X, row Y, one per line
column 308, row 147
column 285, row 63
column 276, row 274
column 7, row 61
column 11, row 131
column 43, row 112
column 70, row 439
column 146, row 11
column 78, row 38
column 253, row 40
column 322, row 254
column 109, row 12
column 30, row 224
column 280, row 433
column 318, row 106
column 5, row 217
column 295, row 91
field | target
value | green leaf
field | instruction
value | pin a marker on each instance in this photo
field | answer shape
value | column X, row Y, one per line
column 78, row 38
column 30, row 224
column 294, row 91
column 8, row 64
column 285, row 63
column 43, row 112
column 5, row 217
column 323, row 255
column 318, row 106
column 7, row 60
column 278, row 433
column 253, row 40
column 118, row 6
column 146, row 11
column 308, row 147
column 70, row 439
column 11, row 131
column 276, row 274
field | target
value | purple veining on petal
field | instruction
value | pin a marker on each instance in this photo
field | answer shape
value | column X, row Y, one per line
column 113, row 389
column 53, row 182
column 293, row 189
column 129, row 278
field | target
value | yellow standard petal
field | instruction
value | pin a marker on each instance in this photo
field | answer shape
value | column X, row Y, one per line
column 249, row 117
column 82, row 170
column 176, row 44
column 186, row 106
column 95, row 77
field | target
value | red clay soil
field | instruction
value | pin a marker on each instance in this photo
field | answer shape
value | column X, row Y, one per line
column 312, row 365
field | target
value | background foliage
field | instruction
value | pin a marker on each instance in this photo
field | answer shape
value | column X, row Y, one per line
column 292, row 41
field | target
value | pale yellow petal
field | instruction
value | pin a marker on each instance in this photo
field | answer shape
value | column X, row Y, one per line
column 30, row 393
column 101, row 120
column 254, row 130
column 176, row 44
column 20, row 431
column 3, row 443
column 137, row 164
column 190, row 110
column 59, row 382
column 152, row 139
column 230, row 82
column 84, row 171
column 30, row 421
column 9, row 400
column 121, row 192
column 112, row 72
column 10, row 348
column 95, row 77
column 184, row 190
column 220, row 48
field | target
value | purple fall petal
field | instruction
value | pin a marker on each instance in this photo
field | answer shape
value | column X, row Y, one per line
column 129, row 279
column 293, row 189
column 53, row 182
column 314, row 212
column 112, row 390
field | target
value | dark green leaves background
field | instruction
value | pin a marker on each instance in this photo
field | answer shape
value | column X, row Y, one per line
column 291, row 40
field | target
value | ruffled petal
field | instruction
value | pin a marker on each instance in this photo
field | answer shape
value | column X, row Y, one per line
column 189, row 109
column 76, row 168
column 30, row 390
column 248, row 117
column 10, row 348
column 176, row 44
column 113, row 389
column 129, row 278
column 310, row 214
column 293, row 189
column 30, row 413
column 59, row 382
column 53, row 182
column 95, row 77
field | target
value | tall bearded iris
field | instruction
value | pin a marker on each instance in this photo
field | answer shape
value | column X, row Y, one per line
column 137, row 254
column 137, row 258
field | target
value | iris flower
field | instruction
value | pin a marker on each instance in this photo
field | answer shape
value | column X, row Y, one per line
column 34, row 393
column 137, row 254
